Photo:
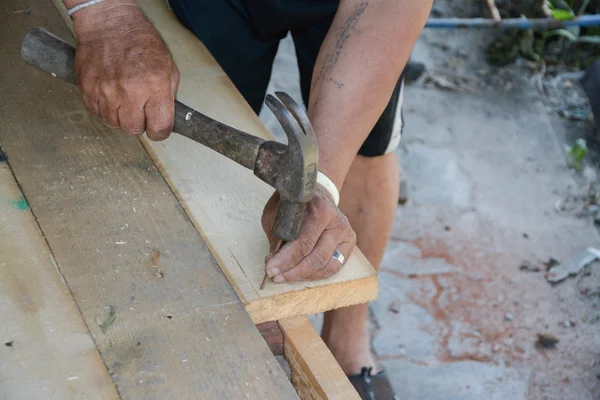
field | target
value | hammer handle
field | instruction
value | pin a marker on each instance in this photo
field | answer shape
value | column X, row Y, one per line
column 52, row 55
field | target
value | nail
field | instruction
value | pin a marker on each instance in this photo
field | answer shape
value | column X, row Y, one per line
column 272, row 272
column 279, row 279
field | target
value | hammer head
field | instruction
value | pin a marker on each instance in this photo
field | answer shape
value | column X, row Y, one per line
column 292, row 169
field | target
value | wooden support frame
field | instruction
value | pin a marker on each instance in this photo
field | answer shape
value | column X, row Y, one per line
column 315, row 373
column 237, row 200
column 172, row 328
column 225, row 200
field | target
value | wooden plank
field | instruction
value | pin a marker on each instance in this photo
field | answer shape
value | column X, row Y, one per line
column 225, row 201
column 315, row 372
column 46, row 351
column 105, row 209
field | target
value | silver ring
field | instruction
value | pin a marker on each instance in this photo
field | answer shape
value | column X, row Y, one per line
column 338, row 256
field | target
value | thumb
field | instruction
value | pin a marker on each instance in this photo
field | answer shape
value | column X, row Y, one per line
column 269, row 211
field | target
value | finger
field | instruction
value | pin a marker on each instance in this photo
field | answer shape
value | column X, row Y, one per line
column 175, row 81
column 268, row 216
column 108, row 113
column 293, row 252
column 315, row 261
column 132, row 119
column 90, row 105
column 160, row 113
column 333, row 266
column 314, row 223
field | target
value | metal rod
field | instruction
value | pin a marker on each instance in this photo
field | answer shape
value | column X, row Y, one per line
column 511, row 23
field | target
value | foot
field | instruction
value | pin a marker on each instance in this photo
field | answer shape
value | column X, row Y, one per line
column 370, row 386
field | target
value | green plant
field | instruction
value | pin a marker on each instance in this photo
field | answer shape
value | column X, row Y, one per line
column 533, row 46
column 563, row 10
column 576, row 154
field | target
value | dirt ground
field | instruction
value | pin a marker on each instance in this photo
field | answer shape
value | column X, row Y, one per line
column 483, row 155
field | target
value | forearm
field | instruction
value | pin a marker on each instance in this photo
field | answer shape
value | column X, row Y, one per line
column 358, row 66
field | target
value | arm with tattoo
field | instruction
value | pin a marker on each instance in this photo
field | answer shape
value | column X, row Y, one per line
column 358, row 66
column 359, row 63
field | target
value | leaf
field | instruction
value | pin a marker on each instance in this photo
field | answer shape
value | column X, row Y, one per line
column 576, row 154
column 562, row 15
column 589, row 39
column 561, row 32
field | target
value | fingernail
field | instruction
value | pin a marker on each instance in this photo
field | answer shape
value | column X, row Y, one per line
column 272, row 272
column 279, row 279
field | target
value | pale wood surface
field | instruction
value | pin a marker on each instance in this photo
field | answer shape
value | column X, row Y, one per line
column 315, row 373
column 225, row 200
column 46, row 351
column 105, row 209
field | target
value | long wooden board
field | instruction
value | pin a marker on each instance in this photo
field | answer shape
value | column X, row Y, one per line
column 315, row 373
column 46, row 351
column 225, row 201
column 173, row 330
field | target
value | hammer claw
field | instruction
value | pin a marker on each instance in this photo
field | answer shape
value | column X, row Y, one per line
column 297, row 112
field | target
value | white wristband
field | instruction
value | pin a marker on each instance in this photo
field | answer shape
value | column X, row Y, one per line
column 82, row 5
column 328, row 185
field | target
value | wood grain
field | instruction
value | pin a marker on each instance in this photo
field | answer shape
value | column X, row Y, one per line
column 316, row 375
column 225, row 201
column 105, row 209
column 46, row 351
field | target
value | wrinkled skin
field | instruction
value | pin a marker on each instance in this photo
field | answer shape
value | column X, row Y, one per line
column 125, row 71
column 324, row 229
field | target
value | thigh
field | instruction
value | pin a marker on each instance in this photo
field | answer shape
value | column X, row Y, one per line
column 226, row 31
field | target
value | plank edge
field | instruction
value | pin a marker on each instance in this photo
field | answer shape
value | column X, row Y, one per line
column 313, row 300
column 315, row 372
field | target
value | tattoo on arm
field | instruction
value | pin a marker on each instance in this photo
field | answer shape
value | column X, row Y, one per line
column 342, row 34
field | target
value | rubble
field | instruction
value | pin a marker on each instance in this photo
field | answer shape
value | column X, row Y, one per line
column 546, row 340
column 560, row 272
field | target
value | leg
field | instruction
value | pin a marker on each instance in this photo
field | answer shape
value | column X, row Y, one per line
column 368, row 198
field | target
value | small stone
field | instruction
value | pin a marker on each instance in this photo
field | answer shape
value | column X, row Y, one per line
column 394, row 307
column 546, row 340
column 508, row 317
column 551, row 263
column 525, row 235
column 526, row 265
column 497, row 347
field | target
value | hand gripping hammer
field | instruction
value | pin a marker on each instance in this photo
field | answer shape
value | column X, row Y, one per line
column 291, row 169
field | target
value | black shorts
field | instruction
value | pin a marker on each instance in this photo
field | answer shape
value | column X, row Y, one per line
column 243, row 37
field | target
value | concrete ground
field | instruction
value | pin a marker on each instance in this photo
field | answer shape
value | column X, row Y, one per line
column 484, row 160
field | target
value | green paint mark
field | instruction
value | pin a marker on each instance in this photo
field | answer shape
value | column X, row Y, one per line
column 21, row 204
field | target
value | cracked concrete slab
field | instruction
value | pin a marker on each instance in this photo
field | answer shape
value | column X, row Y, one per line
column 467, row 380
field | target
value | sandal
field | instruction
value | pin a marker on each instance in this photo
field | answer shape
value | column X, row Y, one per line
column 372, row 387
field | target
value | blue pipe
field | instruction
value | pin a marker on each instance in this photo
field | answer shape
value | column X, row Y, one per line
column 512, row 23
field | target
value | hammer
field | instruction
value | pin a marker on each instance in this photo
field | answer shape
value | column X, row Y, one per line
column 291, row 170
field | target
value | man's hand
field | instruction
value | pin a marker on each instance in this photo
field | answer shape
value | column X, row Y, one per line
column 324, row 230
column 124, row 69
